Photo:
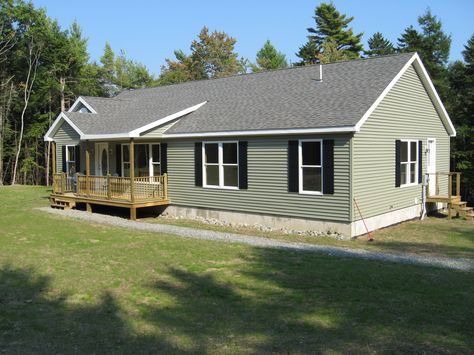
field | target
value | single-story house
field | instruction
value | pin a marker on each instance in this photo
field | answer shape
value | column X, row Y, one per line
column 312, row 147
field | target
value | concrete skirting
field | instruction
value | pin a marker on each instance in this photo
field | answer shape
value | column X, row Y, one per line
column 299, row 224
column 386, row 219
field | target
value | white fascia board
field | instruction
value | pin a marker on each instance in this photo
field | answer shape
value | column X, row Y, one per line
column 101, row 137
column 48, row 137
column 267, row 132
column 161, row 121
column 80, row 100
column 415, row 60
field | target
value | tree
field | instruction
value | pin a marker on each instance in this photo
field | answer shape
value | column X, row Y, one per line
column 131, row 74
column 379, row 45
column 433, row 46
column 269, row 58
column 331, row 26
column 108, row 62
column 212, row 56
column 460, row 104
column 330, row 53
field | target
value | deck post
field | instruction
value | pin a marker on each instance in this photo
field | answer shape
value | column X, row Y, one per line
column 133, row 213
column 63, row 183
column 88, row 167
column 450, row 193
column 89, row 207
column 53, row 157
column 165, row 186
column 458, row 184
column 437, row 184
column 132, row 171
column 109, row 191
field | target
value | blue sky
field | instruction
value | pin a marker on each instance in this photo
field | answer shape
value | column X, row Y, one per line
column 149, row 31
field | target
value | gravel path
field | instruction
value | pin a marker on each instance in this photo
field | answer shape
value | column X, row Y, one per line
column 442, row 262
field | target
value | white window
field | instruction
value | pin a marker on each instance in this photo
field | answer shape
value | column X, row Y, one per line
column 220, row 164
column 147, row 160
column 409, row 163
column 310, row 163
column 71, row 159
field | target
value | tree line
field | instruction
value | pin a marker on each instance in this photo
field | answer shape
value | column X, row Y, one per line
column 44, row 68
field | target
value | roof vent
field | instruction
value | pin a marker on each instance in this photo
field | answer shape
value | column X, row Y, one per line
column 320, row 72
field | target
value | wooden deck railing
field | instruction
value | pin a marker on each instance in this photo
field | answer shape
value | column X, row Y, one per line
column 108, row 187
column 62, row 183
column 454, row 183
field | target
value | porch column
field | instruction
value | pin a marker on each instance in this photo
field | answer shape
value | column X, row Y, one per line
column 88, row 168
column 53, row 156
column 132, row 169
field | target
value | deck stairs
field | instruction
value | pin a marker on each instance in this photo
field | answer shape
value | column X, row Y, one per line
column 461, row 209
column 62, row 203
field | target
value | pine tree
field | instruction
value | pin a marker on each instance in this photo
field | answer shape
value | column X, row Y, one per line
column 331, row 26
column 379, row 45
column 460, row 104
column 433, row 46
column 269, row 58
column 108, row 62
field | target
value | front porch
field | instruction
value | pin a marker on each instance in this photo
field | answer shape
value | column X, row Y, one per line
column 110, row 191
column 131, row 191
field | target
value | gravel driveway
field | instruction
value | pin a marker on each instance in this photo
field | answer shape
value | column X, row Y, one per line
column 435, row 261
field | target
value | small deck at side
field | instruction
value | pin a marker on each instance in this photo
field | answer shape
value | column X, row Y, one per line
column 453, row 201
column 109, row 191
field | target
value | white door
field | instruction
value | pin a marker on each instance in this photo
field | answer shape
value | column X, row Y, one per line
column 431, row 164
column 101, row 159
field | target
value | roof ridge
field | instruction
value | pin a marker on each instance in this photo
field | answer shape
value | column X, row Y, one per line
column 269, row 71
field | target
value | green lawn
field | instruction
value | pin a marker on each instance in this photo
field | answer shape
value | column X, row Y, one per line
column 73, row 287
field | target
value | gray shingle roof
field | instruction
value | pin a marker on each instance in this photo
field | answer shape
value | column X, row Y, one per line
column 280, row 99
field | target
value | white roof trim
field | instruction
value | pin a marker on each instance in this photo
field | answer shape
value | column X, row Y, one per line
column 415, row 59
column 80, row 100
column 161, row 121
column 343, row 129
column 57, row 123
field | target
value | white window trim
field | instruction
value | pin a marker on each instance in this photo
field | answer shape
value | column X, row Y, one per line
column 71, row 161
column 300, row 167
column 409, row 141
column 220, row 164
column 151, row 162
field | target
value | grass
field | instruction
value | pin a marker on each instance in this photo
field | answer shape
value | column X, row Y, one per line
column 433, row 236
column 74, row 287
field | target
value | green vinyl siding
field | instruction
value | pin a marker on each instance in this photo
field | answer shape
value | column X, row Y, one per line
column 267, row 191
column 157, row 132
column 66, row 135
column 405, row 113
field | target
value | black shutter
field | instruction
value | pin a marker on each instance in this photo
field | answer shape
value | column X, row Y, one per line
column 164, row 158
column 328, row 166
column 77, row 156
column 63, row 155
column 293, row 180
column 420, row 162
column 118, row 159
column 243, row 175
column 198, row 163
column 398, row 156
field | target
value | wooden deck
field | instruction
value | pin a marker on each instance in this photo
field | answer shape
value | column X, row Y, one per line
column 453, row 201
column 110, row 191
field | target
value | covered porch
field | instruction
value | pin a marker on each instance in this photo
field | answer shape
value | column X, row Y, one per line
column 133, row 188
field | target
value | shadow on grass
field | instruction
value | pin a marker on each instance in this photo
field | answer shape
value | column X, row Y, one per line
column 33, row 322
column 273, row 301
